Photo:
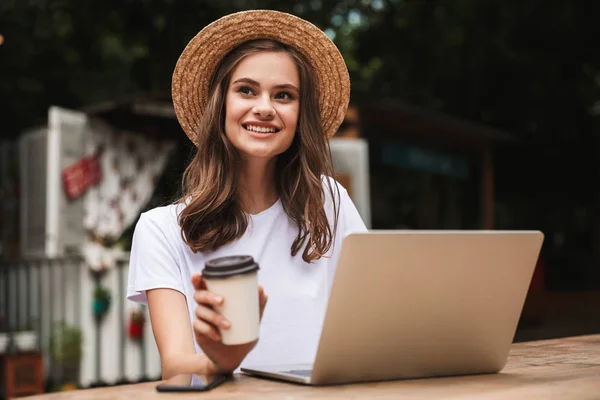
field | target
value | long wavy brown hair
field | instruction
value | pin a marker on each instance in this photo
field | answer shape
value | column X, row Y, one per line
column 213, row 215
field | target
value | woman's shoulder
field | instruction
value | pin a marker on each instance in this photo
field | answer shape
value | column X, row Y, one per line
column 346, row 209
column 163, row 218
column 331, row 182
column 166, row 213
column 333, row 189
column 335, row 196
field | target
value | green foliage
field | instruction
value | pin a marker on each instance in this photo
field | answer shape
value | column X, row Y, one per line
column 530, row 66
column 102, row 294
column 65, row 344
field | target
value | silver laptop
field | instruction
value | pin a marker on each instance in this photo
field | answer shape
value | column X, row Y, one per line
column 414, row 304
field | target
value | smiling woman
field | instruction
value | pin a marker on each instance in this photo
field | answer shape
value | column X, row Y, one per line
column 260, row 105
column 259, row 93
column 251, row 91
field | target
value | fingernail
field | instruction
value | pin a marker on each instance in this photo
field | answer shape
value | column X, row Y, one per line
column 225, row 324
column 218, row 299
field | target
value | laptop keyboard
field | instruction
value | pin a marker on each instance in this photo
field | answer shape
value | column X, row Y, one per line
column 300, row 372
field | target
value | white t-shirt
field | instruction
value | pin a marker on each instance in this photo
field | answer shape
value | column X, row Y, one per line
column 298, row 292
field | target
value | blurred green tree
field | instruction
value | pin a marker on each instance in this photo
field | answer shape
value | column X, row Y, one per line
column 530, row 67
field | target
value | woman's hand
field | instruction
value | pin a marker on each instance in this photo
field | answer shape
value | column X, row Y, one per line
column 206, row 328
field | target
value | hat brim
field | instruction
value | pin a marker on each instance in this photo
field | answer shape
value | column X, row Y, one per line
column 202, row 55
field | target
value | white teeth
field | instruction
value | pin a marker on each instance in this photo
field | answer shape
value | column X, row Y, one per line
column 259, row 129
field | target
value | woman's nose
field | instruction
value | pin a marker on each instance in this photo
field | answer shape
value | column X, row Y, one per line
column 264, row 108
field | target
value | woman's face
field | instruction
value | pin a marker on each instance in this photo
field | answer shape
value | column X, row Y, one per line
column 262, row 105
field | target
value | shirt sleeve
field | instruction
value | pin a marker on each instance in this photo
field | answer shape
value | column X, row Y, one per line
column 153, row 262
column 351, row 220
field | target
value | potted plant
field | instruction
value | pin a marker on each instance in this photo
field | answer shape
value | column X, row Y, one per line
column 136, row 324
column 102, row 301
column 65, row 347
column 25, row 339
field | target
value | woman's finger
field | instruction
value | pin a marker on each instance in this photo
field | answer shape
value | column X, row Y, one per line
column 212, row 317
column 206, row 330
column 262, row 296
column 198, row 282
column 208, row 298
column 262, row 300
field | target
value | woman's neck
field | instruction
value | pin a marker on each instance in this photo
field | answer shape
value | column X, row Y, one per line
column 257, row 185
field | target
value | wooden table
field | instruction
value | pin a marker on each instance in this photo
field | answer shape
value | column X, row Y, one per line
column 552, row 369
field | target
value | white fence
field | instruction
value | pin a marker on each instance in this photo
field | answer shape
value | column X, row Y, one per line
column 36, row 294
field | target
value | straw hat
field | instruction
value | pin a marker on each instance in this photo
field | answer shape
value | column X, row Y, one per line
column 202, row 55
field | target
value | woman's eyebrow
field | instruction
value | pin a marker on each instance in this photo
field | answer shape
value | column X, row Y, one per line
column 254, row 83
column 247, row 80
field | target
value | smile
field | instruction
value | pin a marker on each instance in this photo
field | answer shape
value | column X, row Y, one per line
column 260, row 129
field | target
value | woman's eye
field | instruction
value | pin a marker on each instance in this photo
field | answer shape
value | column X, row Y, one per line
column 284, row 96
column 245, row 90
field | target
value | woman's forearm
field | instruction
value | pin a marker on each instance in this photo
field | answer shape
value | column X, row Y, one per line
column 201, row 364
column 187, row 363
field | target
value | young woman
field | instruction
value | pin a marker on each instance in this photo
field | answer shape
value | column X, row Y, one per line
column 259, row 93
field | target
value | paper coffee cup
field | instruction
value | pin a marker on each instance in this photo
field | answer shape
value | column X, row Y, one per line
column 235, row 278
